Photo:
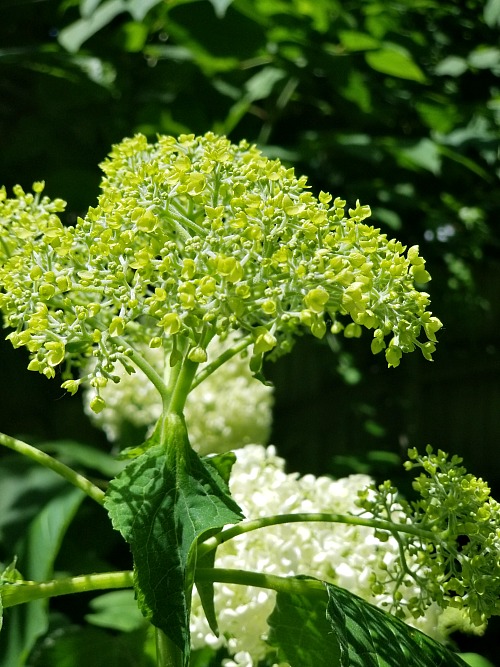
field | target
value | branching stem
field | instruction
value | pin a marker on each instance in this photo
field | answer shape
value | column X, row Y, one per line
column 61, row 469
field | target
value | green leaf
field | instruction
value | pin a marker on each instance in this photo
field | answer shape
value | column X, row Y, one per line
column 451, row 66
column 475, row 660
column 352, row 40
column 77, row 454
column 491, row 13
column 301, row 633
column 117, row 610
column 37, row 551
column 223, row 464
column 395, row 63
column 220, row 7
column 74, row 35
column 163, row 503
column 92, row 647
column 370, row 637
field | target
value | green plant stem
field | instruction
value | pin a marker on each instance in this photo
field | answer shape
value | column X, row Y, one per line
column 61, row 469
column 182, row 386
column 27, row 591
column 326, row 517
column 168, row 654
column 310, row 587
column 153, row 376
column 225, row 356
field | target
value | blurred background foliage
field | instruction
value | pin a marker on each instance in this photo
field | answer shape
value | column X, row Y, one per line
column 393, row 102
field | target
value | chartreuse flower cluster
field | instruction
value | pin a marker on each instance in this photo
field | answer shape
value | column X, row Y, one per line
column 454, row 557
column 196, row 237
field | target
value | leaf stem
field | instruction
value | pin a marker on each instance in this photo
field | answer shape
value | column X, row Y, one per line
column 153, row 376
column 225, row 356
column 306, row 586
column 61, row 469
column 255, row 524
column 27, row 591
column 168, row 654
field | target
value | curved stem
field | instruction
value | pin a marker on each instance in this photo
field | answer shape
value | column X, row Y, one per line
column 311, row 587
column 27, row 591
column 225, row 356
column 61, row 469
column 148, row 370
column 255, row 524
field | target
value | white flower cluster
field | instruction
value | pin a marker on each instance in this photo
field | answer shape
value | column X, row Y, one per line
column 229, row 409
column 339, row 553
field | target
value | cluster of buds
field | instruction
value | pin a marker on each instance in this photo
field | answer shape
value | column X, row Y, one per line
column 452, row 554
column 196, row 237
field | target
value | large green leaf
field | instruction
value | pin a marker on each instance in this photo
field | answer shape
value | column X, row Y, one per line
column 162, row 503
column 370, row 637
column 300, row 632
column 340, row 629
column 37, row 551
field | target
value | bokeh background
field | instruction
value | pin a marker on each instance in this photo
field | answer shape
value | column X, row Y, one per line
column 393, row 102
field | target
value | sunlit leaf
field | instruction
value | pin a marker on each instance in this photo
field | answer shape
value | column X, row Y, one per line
column 74, row 35
column 369, row 637
column 353, row 40
column 162, row 503
column 395, row 63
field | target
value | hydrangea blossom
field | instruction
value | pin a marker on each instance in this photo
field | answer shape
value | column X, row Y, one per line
column 349, row 556
column 229, row 409
column 196, row 237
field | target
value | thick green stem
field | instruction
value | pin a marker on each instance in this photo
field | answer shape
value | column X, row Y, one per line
column 61, row 469
column 27, row 591
column 182, row 386
column 310, row 587
column 255, row 524
column 168, row 654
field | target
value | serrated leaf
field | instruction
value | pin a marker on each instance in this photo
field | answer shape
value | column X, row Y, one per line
column 162, row 503
column 370, row 637
column 301, row 633
column 395, row 63
column 37, row 551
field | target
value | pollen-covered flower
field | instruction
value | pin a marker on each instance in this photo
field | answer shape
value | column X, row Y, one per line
column 346, row 555
column 195, row 237
column 229, row 409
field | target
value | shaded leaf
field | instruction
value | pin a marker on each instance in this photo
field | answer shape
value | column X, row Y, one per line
column 491, row 13
column 370, row 637
column 301, row 633
column 162, row 503
column 37, row 551
column 395, row 63
column 92, row 647
column 116, row 610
